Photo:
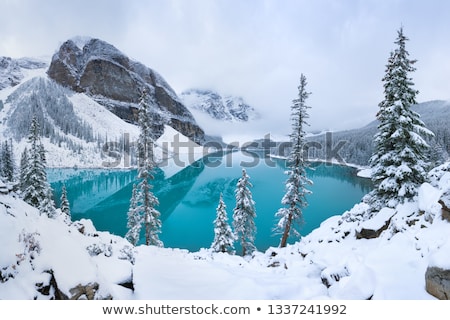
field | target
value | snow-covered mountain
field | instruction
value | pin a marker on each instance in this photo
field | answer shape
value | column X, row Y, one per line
column 12, row 70
column 112, row 79
column 399, row 253
column 88, row 122
column 226, row 108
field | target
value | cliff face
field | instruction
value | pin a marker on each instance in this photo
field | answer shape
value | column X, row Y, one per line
column 115, row 81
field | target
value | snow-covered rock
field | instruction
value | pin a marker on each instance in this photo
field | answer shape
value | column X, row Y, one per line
column 372, row 228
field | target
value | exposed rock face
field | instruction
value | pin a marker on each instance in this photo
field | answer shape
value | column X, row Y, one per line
column 438, row 282
column 115, row 81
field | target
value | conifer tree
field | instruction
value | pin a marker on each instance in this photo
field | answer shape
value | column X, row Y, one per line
column 134, row 221
column 65, row 205
column 23, row 169
column 294, row 200
column 223, row 235
column 399, row 161
column 8, row 166
column 146, row 200
column 244, row 215
column 36, row 189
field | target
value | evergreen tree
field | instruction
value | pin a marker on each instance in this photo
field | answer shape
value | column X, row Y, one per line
column 291, row 216
column 134, row 221
column 399, row 161
column 37, row 191
column 244, row 215
column 65, row 206
column 23, row 169
column 146, row 200
column 7, row 157
column 223, row 235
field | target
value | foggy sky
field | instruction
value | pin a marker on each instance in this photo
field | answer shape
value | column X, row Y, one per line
column 254, row 49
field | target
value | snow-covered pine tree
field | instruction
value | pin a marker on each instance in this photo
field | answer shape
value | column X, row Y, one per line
column 399, row 161
column 146, row 199
column 8, row 165
column 244, row 215
column 223, row 235
column 134, row 219
column 294, row 200
column 65, row 206
column 23, row 169
column 36, row 189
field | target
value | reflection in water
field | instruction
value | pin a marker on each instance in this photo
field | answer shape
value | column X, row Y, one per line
column 188, row 200
column 104, row 195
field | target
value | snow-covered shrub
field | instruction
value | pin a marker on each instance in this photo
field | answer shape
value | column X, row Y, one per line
column 96, row 249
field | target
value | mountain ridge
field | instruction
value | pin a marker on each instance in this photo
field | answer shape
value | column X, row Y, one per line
column 358, row 143
column 217, row 106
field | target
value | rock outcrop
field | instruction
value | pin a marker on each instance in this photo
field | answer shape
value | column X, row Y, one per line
column 373, row 228
column 438, row 282
column 444, row 201
column 115, row 81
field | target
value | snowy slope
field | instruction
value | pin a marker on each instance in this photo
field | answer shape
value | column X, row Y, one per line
column 329, row 263
column 38, row 252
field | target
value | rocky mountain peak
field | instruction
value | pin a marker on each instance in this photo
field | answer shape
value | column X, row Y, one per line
column 111, row 78
column 228, row 108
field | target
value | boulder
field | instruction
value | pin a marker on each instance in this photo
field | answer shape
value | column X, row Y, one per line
column 437, row 281
column 84, row 291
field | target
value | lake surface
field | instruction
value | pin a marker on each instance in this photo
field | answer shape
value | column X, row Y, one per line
column 188, row 200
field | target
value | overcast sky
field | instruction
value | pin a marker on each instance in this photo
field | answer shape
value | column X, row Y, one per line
column 254, row 49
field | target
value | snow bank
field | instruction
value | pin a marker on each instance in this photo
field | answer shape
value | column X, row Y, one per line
column 440, row 258
column 38, row 252
column 365, row 173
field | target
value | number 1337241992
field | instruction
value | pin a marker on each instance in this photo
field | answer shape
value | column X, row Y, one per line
column 307, row 309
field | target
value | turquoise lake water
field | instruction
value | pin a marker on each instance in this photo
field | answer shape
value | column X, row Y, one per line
column 188, row 200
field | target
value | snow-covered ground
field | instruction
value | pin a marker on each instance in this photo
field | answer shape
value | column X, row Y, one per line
column 41, row 257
